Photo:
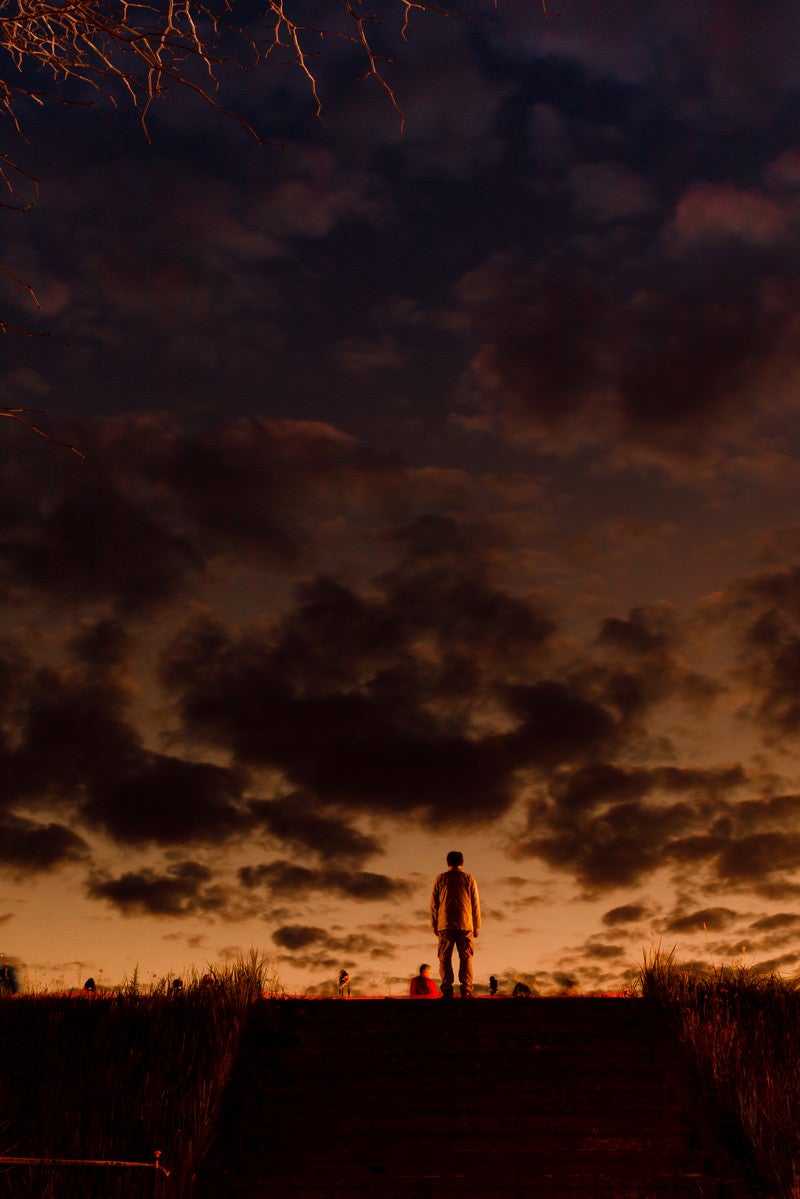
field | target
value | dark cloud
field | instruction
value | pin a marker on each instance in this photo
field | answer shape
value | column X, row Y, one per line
column 17, row 674
column 254, row 484
column 75, row 746
column 612, row 826
column 773, row 812
column 365, row 606
column 27, row 847
column 780, row 920
column 650, row 630
column 157, row 501
column 101, row 645
column 711, row 919
column 782, row 964
column 186, row 889
column 70, row 731
column 604, row 952
column 698, row 353
column 316, row 948
column 694, row 849
column 754, row 858
column 763, row 610
column 629, row 913
column 298, row 936
column 342, row 701
column 167, row 800
column 466, row 614
column 288, row 879
column 98, row 545
column 616, row 847
column 598, row 783
column 547, row 355
column 432, row 536
column 709, row 70
column 294, row 820
column 369, row 701
column 666, row 356
column 778, row 891
column 559, row 721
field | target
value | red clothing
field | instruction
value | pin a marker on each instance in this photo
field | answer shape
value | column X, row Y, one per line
column 423, row 988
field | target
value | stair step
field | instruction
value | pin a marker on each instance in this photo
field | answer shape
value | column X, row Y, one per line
column 551, row 1099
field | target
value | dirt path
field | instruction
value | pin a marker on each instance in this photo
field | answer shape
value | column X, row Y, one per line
column 534, row 1098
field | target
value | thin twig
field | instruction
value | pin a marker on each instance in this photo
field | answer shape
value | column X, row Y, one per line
column 15, row 415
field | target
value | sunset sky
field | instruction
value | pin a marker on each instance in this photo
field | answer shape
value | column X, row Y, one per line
column 440, row 492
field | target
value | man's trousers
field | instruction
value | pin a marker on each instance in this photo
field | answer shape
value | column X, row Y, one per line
column 460, row 940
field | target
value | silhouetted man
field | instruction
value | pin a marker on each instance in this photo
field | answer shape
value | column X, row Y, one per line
column 456, row 920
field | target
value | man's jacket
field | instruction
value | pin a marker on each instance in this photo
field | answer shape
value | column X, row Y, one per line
column 455, row 902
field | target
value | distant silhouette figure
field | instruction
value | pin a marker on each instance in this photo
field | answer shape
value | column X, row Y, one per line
column 90, row 985
column 8, row 980
column 492, row 985
column 344, row 984
column 456, row 920
column 177, row 984
column 521, row 991
column 423, row 986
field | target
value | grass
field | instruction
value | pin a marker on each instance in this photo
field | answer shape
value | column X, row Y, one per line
column 116, row 1078
column 743, row 1029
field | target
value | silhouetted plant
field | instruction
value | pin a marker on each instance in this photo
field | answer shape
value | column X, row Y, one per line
column 743, row 1028
column 118, row 1076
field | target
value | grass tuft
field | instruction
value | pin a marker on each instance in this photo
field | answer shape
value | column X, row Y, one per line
column 118, row 1077
column 743, row 1028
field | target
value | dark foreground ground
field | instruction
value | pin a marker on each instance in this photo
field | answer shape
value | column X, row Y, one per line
column 541, row 1099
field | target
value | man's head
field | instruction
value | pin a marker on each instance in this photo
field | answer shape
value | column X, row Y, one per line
column 425, row 970
column 455, row 858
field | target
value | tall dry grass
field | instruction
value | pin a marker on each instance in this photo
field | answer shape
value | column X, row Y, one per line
column 116, row 1078
column 743, row 1028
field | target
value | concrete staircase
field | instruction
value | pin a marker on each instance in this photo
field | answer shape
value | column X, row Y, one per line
column 401, row 1099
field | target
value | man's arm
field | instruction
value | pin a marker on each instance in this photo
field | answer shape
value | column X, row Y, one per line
column 435, row 906
column 476, row 909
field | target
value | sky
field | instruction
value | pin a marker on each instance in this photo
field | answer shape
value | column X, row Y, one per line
column 440, row 491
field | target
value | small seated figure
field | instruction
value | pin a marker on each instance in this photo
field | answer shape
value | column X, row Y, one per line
column 521, row 991
column 90, row 985
column 423, row 986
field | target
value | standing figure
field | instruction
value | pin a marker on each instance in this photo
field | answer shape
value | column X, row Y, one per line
column 344, row 984
column 8, row 979
column 456, row 920
column 423, row 986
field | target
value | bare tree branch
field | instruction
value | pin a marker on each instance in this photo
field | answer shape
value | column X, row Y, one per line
column 123, row 48
column 16, row 414
column 140, row 51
